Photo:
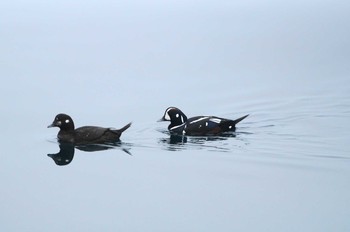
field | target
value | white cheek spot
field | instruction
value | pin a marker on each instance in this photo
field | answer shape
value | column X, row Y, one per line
column 67, row 121
column 177, row 115
column 206, row 124
column 230, row 127
column 200, row 126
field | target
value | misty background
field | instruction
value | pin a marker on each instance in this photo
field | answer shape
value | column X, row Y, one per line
column 107, row 63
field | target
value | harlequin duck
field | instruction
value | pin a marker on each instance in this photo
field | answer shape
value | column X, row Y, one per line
column 85, row 134
column 200, row 125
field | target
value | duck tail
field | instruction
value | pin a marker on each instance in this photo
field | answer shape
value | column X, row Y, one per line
column 124, row 127
column 240, row 119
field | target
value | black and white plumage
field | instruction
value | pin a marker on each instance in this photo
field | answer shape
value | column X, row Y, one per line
column 200, row 125
column 85, row 134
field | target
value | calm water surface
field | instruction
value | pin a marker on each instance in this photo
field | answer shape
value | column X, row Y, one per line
column 286, row 168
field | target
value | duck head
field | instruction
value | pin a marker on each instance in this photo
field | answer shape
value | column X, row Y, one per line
column 62, row 121
column 175, row 116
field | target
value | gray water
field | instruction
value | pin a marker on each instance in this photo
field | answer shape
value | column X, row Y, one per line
column 107, row 63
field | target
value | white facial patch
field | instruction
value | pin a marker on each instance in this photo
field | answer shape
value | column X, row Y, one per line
column 67, row 121
column 166, row 115
column 177, row 115
column 182, row 119
column 206, row 124
column 230, row 127
column 216, row 120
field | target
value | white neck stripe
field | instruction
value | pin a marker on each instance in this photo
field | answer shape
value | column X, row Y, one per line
column 174, row 127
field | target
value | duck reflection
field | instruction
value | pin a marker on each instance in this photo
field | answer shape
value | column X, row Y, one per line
column 67, row 150
column 176, row 139
column 180, row 142
column 65, row 155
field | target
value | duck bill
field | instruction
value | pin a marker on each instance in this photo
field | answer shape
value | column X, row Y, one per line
column 54, row 124
column 51, row 125
column 161, row 119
